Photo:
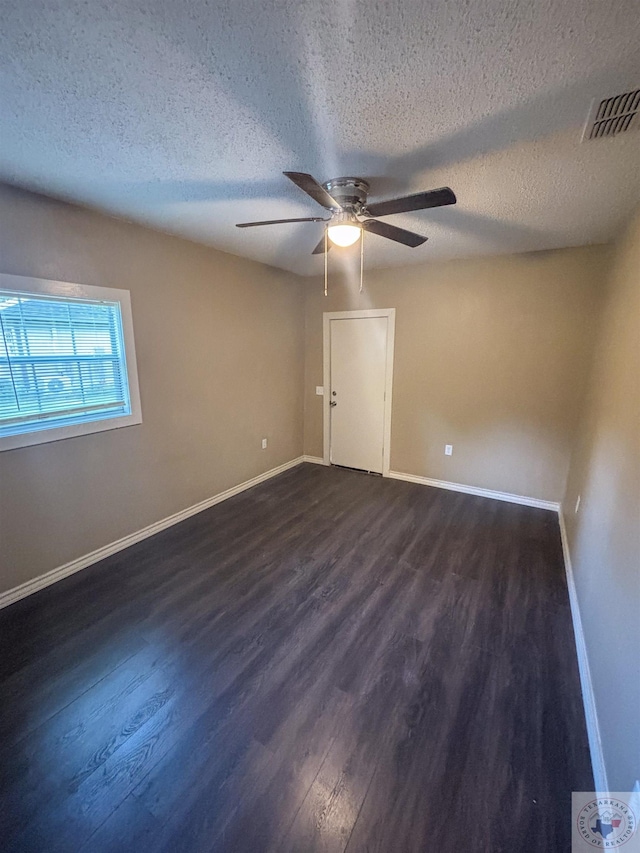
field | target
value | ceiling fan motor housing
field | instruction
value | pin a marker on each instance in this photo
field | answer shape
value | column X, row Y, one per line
column 350, row 193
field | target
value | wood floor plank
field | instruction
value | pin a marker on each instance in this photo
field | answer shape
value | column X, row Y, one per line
column 129, row 829
column 252, row 811
column 330, row 809
column 330, row 661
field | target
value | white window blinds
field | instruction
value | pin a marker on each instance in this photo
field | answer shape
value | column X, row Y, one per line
column 62, row 362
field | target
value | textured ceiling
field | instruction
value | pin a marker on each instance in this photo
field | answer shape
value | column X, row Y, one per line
column 183, row 115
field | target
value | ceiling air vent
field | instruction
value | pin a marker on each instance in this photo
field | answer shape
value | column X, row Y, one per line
column 612, row 116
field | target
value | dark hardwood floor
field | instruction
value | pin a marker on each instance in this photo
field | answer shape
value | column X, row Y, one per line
column 328, row 662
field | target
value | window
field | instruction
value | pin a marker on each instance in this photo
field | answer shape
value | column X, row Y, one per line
column 67, row 361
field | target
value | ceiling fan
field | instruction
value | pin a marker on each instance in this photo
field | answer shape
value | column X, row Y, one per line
column 346, row 198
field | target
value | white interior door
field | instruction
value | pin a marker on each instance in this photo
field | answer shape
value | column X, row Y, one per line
column 357, row 392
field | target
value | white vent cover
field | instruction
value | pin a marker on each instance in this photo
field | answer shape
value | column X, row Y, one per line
column 611, row 116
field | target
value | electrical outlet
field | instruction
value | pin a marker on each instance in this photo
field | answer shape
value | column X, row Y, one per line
column 448, row 450
column 264, row 443
column 319, row 391
column 578, row 504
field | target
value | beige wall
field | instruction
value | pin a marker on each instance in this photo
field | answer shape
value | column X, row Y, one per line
column 219, row 345
column 491, row 355
column 604, row 535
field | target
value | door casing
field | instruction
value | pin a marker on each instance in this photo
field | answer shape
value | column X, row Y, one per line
column 327, row 317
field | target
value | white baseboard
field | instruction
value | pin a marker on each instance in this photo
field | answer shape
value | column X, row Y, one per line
column 588, row 697
column 51, row 577
column 317, row 460
column 476, row 490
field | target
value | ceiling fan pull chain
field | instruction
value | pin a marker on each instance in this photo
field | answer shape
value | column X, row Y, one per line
column 361, row 256
column 326, row 258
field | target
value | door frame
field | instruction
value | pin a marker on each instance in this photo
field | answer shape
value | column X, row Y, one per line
column 327, row 317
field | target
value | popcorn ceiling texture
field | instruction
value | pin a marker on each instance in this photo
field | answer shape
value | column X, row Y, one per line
column 182, row 116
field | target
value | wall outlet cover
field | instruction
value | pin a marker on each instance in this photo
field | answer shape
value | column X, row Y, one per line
column 319, row 390
column 264, row 443
column 448, row 450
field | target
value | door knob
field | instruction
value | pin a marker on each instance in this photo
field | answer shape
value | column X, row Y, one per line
column 332, row 403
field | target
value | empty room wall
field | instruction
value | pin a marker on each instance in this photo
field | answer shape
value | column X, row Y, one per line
column 604, row 535
column 219, row 344
column 491, row 355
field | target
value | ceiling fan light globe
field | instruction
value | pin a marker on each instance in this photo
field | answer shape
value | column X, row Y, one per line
column 344, row 235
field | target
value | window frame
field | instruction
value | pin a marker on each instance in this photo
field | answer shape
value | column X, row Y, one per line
column 62, row 289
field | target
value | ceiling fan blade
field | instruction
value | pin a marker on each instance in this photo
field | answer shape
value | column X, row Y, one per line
column 417, row 201
column 310, row 186
column 383, row 229
column 319, row 249
column 280, row 221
